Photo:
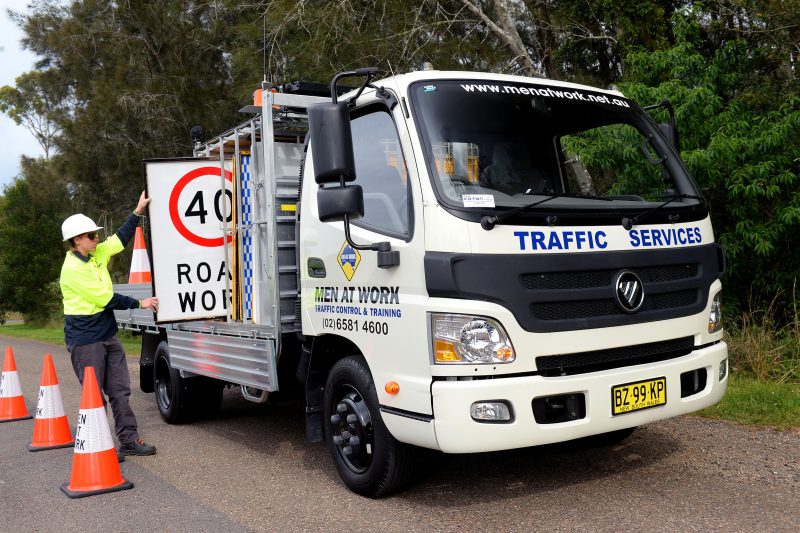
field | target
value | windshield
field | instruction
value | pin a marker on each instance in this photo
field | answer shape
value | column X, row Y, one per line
column 495, row 146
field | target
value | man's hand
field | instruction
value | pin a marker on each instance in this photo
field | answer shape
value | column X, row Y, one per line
column 149, row 303
column 142, row 205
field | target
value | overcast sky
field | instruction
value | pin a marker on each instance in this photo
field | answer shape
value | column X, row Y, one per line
column 14, row 140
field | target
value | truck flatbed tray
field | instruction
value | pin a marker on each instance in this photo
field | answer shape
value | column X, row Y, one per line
column 141, row 320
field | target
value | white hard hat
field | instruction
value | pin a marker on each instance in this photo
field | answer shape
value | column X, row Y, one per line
column 76, row 225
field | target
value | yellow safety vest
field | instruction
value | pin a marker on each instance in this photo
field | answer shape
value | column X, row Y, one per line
column 86, row 286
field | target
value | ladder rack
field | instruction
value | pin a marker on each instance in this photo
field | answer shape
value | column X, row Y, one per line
column 266, row 158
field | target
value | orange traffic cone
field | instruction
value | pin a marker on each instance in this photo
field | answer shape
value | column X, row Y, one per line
column 95, row 469
column 140, row 263
column 50, row 428
column 12, row 404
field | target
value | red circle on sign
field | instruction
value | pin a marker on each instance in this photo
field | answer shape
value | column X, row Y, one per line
column 173, row 206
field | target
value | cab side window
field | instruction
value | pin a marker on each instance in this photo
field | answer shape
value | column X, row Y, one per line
column 381, row 172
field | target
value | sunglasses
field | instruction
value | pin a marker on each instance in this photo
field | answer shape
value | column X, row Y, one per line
column 91, row 236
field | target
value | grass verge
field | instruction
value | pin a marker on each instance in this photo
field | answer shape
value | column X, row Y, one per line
column 758, row 403
column 759, row 346
column 55, row 335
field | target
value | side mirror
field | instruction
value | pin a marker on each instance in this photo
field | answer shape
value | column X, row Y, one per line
column 670, row 131
column 329, row 127
column 336, row 202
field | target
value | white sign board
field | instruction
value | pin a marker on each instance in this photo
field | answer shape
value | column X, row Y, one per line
column 187, row 235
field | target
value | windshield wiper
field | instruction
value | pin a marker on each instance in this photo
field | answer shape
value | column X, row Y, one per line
column 488, row 222
column 629, row 222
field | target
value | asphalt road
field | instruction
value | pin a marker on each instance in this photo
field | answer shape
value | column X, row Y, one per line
column 251, row 469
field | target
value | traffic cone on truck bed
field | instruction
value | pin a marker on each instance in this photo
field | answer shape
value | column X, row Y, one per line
column 50, row 428
column 95, row 469
column 12, row 404
column 140, row 262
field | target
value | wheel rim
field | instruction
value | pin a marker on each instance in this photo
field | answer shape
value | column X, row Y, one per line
column 163, row 385
column 351, row 429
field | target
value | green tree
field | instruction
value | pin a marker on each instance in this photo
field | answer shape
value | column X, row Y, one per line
column 34, row 102
column 574, row 40
column 31, row 211
column 286, row 40
column 138, row 75
column 739, row 115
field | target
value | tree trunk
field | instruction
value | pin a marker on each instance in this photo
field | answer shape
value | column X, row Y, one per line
column 542, row 14
column 506, row 31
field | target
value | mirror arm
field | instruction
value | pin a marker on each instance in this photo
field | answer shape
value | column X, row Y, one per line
column 668, row 105
column 367, row 72
column 387, row 258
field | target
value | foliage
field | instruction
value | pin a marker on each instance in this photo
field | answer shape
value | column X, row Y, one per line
column 313, row 41
column 761, row 348
column 740, row 129
column 33, row 103
column 30, row 218
column 137, row 75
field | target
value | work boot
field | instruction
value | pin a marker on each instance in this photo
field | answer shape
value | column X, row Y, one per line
column 120, row 457
column 136, row 447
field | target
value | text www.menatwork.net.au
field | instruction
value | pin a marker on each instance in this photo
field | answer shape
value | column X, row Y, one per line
column 547, row 92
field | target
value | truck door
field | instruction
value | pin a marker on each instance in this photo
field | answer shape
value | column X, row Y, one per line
column 345, row 293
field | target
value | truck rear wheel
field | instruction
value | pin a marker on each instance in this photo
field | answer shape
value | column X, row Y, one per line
column 370, row 461
column 172, row 393
column 180, row 399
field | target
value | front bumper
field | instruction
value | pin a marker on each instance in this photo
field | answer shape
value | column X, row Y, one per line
column 457, row 432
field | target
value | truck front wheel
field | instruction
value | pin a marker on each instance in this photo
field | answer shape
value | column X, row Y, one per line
column 370, row 461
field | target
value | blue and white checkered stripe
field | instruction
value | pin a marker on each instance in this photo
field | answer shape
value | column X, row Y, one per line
column 247, row 238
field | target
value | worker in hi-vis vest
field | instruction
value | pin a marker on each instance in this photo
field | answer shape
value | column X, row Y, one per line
column 90, row 329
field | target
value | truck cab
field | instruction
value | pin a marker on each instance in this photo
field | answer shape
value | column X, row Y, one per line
column 557, row 273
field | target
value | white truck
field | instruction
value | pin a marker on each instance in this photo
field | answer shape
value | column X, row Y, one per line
column 445, row 260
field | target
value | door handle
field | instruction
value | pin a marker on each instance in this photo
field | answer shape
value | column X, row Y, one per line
column 316, row 267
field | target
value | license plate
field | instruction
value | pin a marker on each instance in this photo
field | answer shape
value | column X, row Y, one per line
column 639, row 395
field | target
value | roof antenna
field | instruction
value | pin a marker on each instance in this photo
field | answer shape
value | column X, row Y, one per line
column 264, row 47
column 391, row 70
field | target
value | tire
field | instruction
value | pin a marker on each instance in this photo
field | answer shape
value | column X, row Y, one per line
column 170, row 389
column 370, row 461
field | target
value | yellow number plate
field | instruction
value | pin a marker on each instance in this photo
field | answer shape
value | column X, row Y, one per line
column 638, row 395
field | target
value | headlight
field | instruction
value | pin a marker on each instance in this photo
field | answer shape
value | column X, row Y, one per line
column 465, row 339
column 715, row 317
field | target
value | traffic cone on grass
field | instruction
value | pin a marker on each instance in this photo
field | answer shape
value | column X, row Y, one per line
column 12, row 404
column 50, row 428
column 95, row 469
column 140, row 262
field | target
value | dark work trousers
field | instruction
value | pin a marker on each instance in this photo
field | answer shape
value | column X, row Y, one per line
column 111, row 370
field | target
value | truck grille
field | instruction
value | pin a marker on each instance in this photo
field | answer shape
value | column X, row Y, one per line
column 571, row 292
column 598, row 278
column 595, row 308
column 577, row 363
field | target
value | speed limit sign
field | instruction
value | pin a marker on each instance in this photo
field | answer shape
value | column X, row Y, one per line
column 190, row 221
column 189, row 201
